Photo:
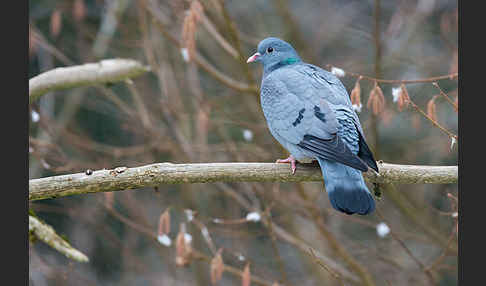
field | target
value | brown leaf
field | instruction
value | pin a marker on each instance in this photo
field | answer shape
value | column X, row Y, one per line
column 79, row 10
column 188, row 34
column 189, row 27
column 246, row 277
column 431, row 109
column 180, row 249
column 183, row 247
column 217, row 267
column 202, row 126
column 403, row 98
column 356, row 94
column 371, row 98
column 56, row 22
column 164, row 223
column 376, row 100
column 380, row 96
column 400, row 101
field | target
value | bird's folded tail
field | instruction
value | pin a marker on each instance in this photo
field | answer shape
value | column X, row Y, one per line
column 346, row 188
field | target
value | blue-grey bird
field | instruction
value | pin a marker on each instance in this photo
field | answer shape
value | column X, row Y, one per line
column 309, row 112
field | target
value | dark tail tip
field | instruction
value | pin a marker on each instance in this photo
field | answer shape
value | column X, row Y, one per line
column 351, row 201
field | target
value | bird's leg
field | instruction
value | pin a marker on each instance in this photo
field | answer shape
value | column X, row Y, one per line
column 290, row 160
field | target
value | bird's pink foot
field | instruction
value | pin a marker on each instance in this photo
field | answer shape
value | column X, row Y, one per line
column 290, row 160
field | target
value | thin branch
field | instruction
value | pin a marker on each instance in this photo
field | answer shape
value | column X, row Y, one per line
column 159, row 19
column 435, row 123
column 334, row 243
column 428, row 274
column 105, row 71
column 278, row 257
column 141, row 108
column 446, row 97
column 123, row 178
column 324, row 266
column 196, row 253
column 42, row 41
column 441, row 257
column 399, row 81
column 415, row 215
column 291, row 239
column 304, row 247
column 47, row 234
column 223, row 78
column 213, row 31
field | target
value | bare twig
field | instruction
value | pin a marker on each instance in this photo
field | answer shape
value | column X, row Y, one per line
column 158, row 18
column 434, row 122
column 278, row 257
column 356, row 266
column 304, row 247
column 42, row 41
column 213, row 31
column 323, row 265
column 428, row 274
column 445, row 96
column 399, row 81
column 441, row 257
column 291, row 239
column 196, row 253
column 416, row 215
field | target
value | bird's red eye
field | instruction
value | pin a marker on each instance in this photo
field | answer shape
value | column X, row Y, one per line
column 269, row 50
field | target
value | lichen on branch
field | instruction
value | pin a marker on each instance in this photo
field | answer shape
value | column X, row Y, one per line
column 123, row 178
column 105, row 71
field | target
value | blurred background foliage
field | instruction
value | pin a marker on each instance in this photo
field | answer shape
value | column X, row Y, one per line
column 200, row 103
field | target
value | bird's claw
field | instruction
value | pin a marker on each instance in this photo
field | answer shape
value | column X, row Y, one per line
column 290, row 160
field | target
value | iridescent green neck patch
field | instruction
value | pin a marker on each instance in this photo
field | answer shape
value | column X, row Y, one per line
column 290, row 61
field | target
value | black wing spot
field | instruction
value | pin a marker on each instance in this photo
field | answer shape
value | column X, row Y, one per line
column 319, row 114
column 299, row 118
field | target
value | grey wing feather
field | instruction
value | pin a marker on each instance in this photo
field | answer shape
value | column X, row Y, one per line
column 299, row 114
column 339, row 96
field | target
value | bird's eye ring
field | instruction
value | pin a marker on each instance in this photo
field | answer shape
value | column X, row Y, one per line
column 270, row 49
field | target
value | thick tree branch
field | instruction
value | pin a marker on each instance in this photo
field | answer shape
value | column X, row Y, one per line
column 105, row 71
column 47, row 234
column 153, row 175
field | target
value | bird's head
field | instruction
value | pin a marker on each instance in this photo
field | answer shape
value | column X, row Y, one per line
column 274, row 51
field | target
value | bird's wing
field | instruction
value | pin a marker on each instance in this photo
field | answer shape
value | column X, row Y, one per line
column 299, row 112
column 336, row 94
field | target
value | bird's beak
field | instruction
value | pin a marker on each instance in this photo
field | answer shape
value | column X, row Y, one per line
column 253, row 58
